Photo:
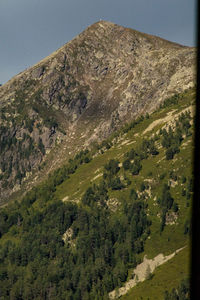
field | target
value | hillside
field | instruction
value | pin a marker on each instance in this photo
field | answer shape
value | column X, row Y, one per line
column 80, row 94
column 81, row 233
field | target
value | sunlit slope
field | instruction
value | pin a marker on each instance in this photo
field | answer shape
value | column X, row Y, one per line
column 132, row 192
column 156, row 171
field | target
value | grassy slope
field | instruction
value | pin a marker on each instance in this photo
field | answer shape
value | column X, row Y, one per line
column 172, row 237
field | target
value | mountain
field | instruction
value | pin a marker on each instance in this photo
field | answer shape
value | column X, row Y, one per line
column 96, row 175
column 113, row 221
column 80, row 94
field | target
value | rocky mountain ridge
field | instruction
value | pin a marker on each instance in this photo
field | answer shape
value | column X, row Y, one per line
column 81, row 93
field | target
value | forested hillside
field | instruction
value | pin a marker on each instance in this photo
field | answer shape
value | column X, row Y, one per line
column 81, row 233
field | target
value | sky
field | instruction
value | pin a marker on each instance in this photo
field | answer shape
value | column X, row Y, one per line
column 32, row 29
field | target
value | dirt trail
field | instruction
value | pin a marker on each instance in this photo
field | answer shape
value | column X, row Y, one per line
column 141, row 272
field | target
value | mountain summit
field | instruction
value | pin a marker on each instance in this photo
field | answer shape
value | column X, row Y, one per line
column 81, row 93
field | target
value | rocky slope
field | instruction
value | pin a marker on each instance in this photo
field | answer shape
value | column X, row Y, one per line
column 104, row 77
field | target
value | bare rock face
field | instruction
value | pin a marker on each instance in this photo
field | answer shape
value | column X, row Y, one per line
column 104, row 77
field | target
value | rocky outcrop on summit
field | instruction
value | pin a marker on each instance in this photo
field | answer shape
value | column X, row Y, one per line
column 104, row 77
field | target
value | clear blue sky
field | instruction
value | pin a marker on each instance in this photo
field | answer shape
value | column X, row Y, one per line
column 32, row 29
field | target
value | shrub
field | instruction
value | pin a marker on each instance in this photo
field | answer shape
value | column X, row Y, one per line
column 166, row 198
column 183, row 193
column 112, row 166
column 171, row 152
column 142, row 187
column 116, row 184
column 41, row 146
column 153, row 150
column 133, row 195
column 172, row 175
column 175, row 207
column 183, row 179
column 162, row 176
column 135, row 167
column 126, row 164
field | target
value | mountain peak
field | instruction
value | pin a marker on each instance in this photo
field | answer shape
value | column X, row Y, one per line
column 109, row 28
column 87, row 89
column 104, row 22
